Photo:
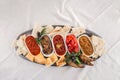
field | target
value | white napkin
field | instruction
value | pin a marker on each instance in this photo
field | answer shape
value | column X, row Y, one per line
column 101, row 16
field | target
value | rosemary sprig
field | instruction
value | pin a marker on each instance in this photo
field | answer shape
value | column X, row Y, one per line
column 38, row 40
column 39, row 34
column 43, row 31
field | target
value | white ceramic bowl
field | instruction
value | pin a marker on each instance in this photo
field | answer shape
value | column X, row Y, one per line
column 76, row 39
column 47, row 55
column 90, row 42
column 27, row 47
column 54, row 46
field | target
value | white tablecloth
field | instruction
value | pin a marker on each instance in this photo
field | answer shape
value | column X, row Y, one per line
column 101, row 16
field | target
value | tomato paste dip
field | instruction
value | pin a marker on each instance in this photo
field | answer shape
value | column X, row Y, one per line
column 59, row 45
column 72, row 43
column 32, row 45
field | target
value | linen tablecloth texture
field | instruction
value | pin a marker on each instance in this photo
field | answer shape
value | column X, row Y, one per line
column 100, row 16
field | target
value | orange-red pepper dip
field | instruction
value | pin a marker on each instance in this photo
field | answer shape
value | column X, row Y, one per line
column 32, row 45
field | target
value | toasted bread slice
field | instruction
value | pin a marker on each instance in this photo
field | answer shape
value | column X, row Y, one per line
column 54, row 58
column 51, row 60
column 61, row 61
column 48, row 62
column 99, row 46
column 40, row 59
column 30, row 57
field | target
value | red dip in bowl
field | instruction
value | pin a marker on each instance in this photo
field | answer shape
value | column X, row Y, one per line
column 72, row 43
column 59, row 45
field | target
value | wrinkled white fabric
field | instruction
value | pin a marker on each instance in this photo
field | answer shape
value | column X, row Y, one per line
column 100, row 16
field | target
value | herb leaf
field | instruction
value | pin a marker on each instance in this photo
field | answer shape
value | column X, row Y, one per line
column 38, row 40
column 39, row 34
column 77, row 60
column 79, row 53
column 67, row 59
column 43, row 31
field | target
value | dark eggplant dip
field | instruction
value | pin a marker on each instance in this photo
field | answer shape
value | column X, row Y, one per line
column 46, row 44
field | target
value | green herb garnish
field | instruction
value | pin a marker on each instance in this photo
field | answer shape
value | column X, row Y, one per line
column 77, row 60
column 38, row 40
column 79, row 53
column 39, row 34
column 43, row 31
column 67, row 59
column 74, row 57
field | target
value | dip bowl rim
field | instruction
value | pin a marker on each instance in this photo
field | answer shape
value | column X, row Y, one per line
column 90, row 42
column 76, row 40
column 28, row 48
column 64, row 44
column 47, row 55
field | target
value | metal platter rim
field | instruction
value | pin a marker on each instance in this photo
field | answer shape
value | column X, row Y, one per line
column 88, row 32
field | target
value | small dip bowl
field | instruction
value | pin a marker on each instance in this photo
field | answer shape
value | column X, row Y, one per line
column 86, row 45
column 46, row 44
column 59, row 44
column 72, row 43
column 31, row 45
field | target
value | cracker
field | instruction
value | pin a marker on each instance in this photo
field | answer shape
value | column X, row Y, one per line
column 40, row 59
column 30, row 57
column 49, row 29
column 51, row 60
column 61, row 61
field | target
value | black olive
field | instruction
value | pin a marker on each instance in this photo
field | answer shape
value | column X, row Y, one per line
column 72, row 57
column 38, row 35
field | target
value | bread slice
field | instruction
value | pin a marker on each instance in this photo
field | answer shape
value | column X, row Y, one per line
column 40, row 59
column 51, row 60
column 61, row 62
column 30, row 57
column 99, row 46
column 53, row 57
column 48, row 62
